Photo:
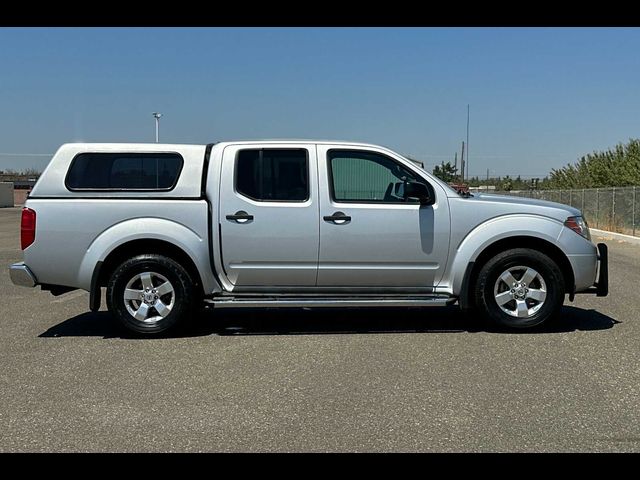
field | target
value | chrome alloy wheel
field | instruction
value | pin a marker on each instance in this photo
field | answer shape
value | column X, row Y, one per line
column 149, row 297
column 520, row 291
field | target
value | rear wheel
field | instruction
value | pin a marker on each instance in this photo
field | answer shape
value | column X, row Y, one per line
column 520, row 288
column 150, row 294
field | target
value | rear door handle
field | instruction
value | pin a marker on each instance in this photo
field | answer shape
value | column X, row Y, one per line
column 240, row 216
column 338, row 218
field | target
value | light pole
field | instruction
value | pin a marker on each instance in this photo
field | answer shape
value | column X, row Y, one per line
column 157, row 116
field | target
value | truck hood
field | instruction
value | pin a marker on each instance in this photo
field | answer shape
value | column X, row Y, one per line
column 510, row 204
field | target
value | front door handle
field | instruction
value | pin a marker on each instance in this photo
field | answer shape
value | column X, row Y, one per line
column 240, row 216
column 338, row 218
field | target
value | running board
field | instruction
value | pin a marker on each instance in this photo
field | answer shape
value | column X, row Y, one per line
column 379, row 301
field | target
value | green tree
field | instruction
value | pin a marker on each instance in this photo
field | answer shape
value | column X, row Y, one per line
column 505, row 184
column 445, row 172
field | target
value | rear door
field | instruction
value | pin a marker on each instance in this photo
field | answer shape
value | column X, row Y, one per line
column 269, row 217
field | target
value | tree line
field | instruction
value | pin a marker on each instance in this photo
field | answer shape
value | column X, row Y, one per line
column 449, row 173
column 616, row 167
column 27, row 172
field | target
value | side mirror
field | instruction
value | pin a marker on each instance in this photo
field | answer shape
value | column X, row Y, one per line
column 418, row 191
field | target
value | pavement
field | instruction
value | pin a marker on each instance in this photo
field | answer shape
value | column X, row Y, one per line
column 374, row 380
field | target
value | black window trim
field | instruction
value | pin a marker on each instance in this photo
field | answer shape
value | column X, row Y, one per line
column 147, row 153
column 261, row 149
column 370, row 202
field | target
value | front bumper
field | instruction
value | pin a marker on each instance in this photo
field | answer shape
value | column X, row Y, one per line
column 21, row 275
column 602, row 283
column 601, row 287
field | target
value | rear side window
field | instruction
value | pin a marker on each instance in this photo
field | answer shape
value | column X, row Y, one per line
column 124, row 171
column 276, row 175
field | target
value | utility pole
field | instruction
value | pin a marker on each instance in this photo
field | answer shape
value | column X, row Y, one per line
column 157, row 116
column 455, row 163
column 487, row 179
column 462, row 164
column 467, row 163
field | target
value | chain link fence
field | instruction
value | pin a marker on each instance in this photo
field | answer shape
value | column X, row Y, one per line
column 614, row 209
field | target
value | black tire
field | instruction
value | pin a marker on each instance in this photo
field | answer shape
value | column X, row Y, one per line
column 182, row 297
column 486, row 287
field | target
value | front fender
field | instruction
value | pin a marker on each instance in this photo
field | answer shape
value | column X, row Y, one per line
column 477, row 240
column 148, row 228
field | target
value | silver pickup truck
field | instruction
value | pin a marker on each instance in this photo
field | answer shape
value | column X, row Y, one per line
column 168, row 228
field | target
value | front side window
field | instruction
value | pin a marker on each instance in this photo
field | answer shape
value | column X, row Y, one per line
column 124, row 171
column 276, row 175
column 369, row 177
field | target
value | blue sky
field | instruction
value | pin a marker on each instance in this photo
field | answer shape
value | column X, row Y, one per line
column 539, row 97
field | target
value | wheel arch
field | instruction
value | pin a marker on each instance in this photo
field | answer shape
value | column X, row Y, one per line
column 147, row 245
column 132, row 248
column 517, row 241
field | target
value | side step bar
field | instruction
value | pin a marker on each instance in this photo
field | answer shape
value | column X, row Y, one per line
column 379, row 301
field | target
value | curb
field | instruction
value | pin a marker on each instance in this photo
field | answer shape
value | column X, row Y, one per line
column 615, row 236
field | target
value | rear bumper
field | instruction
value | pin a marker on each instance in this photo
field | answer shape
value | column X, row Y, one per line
column 21, row 275
column 601, row 286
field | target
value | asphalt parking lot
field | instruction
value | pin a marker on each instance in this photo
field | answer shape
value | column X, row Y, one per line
column 321, row 380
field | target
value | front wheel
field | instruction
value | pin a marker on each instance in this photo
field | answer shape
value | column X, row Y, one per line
column 520, row 288
column 150, row 294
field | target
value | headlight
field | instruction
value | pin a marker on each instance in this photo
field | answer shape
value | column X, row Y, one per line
column 578, row 225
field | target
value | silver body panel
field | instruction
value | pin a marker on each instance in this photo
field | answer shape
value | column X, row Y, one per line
column 288, row 246
column 73, row 235
column 479, row 221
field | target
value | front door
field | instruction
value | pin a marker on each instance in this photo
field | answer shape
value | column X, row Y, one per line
column 269, row 216
column 370, row 236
